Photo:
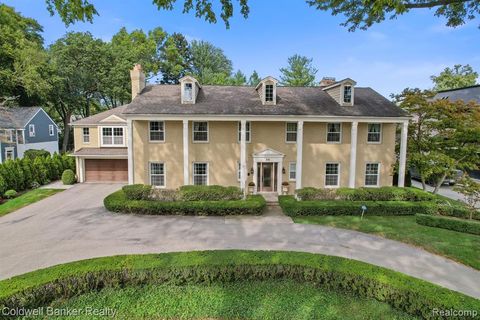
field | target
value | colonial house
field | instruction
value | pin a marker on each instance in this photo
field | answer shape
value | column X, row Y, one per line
column 24, row 128
column 333, row 135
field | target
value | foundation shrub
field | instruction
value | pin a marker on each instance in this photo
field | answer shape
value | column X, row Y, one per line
column 164, row 195
column 68, row 177
column 137, row 191
column 309, row 194
column 210, row 193
column 460, row 225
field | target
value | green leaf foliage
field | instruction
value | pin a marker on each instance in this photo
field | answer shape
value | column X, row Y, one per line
column 460, row 225
column 299, row 72
column 457, row 77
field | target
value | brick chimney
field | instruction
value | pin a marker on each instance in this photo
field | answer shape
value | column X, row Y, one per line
column 326, row 81
column 138, row 80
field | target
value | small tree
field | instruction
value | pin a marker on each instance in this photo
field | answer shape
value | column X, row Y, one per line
column 471, row 191
column 299, row 72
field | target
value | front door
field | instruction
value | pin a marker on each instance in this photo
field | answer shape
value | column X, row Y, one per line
column 266, row 176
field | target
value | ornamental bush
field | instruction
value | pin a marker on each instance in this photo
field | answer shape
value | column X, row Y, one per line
column 210, row 193
column 10, row 194
column 364, row 194
column 137, row 191
column 33, row 153
column 460, row 225
column 68, row 177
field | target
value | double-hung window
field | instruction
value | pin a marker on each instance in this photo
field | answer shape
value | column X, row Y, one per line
column 200, row 131
column 269, row 92
column 291, row 132
column 157, row 174
column 157, row 131
column 247, row 131
column 372, row 172
column 374, row 133
column 332, row 174
column 188, row 92
column 51, row 131
column 86, row 135
column 9, row 134
column 112, row 136
column 292, row 171
column 334, row 132
column 31, row 130
column 200, row 174
column 347, row 94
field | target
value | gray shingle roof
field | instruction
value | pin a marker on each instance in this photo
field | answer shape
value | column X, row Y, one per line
column 97, row 118
column 244, row 100
column 17, row 117
column 101, row 152
column 466, row 94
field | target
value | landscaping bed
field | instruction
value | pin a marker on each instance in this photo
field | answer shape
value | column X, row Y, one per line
column 455, row 224
column 242, row 268
column 222, row 201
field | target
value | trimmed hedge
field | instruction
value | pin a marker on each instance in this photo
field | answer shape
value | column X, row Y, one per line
column 68, row 177
column 34, row 153
column 294, row 208
column 137, row 191
column 210, row 193
column 411, row 295
column 365, row 194
column 465, row 226
column 118, row 202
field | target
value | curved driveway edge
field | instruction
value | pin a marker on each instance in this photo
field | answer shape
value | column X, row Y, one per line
column 73, row 225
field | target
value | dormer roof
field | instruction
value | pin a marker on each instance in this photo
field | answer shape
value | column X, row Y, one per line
column 266, row 79
column 190, row 79
column 340, row 82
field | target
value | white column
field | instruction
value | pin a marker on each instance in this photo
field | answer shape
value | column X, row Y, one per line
column 130, row 150
column 255, row 175
column 82, row 169
column 353, row 155
column 403, row 155
column 298, row 178
column 186, row 179
column 243, row 154
column 279, row 177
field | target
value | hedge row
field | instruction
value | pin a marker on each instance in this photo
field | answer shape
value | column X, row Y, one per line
column 411, row 295
column 118, row 202
column 294, row 208
column 364, row 194
column 465, row 226
column 184, row 193
column 22, row 174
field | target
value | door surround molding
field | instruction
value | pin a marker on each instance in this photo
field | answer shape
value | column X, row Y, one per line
column 268, row 155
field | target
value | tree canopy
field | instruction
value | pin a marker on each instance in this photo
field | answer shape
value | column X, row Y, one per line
column 299, row 72
column 210, row 65
column 457, row 77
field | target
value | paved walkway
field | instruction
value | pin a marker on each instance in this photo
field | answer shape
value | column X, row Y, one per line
column 73, row 225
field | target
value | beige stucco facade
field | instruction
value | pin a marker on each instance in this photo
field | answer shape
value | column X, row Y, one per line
column 78, row 138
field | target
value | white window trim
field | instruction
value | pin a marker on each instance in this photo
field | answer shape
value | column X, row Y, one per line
column 124, row 130
column 351, row 94
column 9, row 135
column 12, row 149
column 339, row 175
column 208, row 171
column 164, row 174
column 381, row 133
column 286, row 132
column 246, row 131
column 84, row 135
column 164, row 133
column 31, row 130
column 365, row 175
column 184, row 92
column 193, row 132
column 51, row 130
column 341, row 133
column 289, row 170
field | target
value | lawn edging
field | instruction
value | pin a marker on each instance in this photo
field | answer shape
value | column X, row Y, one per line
column 26, row 199
column 411, row 295
column 118, row 202
column 455, row 224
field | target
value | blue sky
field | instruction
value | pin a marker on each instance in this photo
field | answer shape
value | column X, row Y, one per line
column 388, row 57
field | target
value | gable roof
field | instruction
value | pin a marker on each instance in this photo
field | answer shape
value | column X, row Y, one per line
column 244, row 100
column 466, row 94
column 110, row 117
column 17, row 117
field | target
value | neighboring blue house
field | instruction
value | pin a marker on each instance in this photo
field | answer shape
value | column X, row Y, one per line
column 24, row 128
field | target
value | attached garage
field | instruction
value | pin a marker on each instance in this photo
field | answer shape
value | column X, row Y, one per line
column 105, row 170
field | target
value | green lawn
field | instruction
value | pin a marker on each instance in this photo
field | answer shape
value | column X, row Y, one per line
column 458, row 246
column 25, row 199
column 280, row 299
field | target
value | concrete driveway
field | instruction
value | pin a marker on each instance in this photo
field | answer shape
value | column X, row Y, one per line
column 74, row 225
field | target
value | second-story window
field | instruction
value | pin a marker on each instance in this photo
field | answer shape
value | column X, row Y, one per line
column 200, row 131
column 269, row 92
column 347, row 94
column 334, row 132
column 247, row 131
column 9, row 134
column 86, row 135
column 374, row 132
column 188, row 92
column 51, row 131
column 112, row 136
column 291, row 132
column 31, row 130
column 157, row 131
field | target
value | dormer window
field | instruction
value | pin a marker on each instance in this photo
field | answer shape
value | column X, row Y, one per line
column 189, row 89
column 347, row 94
column 188, row 92
column 269, row 92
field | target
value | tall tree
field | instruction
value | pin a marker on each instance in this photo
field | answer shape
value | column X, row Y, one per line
column 457, row 77
column 299, row 72
column 176, row 58
column 209, row 63
column 238, row 79
column 254, row 79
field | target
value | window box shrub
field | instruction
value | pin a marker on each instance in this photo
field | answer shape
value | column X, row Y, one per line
column 460, row 225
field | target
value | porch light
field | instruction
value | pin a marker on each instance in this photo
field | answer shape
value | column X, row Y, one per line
column 283, row 170
column 251, row 170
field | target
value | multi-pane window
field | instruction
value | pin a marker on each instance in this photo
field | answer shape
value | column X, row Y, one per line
column 291, row 132
column 188, row 92
column 347, row 94
column 112, row 136
column 86, row 135
column 200, row 131
column 51, row 132
column 9, row 154
column 9, row 135
column 371, row 174
column 157, row 131
column 332, row 171
column 200, row 173
column 374, row 132
column 269, row 92
column 334, row 132
column 247, row 131
column 292, row 171
column 31, row 130
column 157, row 174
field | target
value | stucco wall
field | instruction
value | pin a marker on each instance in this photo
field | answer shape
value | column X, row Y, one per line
column 78, row 138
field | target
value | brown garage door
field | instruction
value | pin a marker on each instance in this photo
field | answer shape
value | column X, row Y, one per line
column 104, row 170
